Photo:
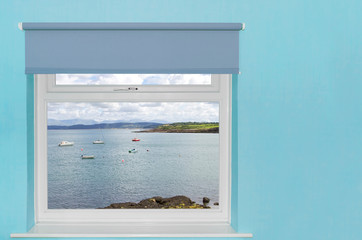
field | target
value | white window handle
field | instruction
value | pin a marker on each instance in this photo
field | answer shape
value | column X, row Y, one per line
column 126, row 89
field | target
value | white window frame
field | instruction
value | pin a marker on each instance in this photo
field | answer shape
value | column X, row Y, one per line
column 45, row 92
column 213, row 87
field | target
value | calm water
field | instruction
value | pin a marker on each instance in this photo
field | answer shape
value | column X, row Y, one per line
column 176, row 164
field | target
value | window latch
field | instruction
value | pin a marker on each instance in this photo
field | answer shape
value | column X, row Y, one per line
column 126, row 89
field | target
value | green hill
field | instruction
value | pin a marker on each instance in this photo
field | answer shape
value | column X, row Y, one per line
column 187, row 127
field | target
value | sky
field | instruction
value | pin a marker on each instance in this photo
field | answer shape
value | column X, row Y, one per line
column 134, row 79
column 163, row 112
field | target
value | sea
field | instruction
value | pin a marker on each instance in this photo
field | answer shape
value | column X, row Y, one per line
column 165, row 164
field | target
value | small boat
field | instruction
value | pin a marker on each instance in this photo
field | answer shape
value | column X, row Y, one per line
column 65, row 143
column 133, row 150
column 87, row 156
column 136, row 140
column 99, row 141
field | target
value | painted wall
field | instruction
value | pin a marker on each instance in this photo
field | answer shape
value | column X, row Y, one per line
column 299, row 100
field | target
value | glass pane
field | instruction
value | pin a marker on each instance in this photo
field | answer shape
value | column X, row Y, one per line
column 106, row 154
column 133, row 79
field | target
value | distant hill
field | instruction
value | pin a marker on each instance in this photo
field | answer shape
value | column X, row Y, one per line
column 187, row 127
column 106, row 126
column 70, row 122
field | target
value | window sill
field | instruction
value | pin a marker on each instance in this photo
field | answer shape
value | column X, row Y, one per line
column 135, row 230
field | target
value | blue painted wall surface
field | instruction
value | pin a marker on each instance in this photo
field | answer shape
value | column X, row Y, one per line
column 299, row 104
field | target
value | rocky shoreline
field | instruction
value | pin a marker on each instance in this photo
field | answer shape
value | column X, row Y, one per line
column 208, row 130
column 162, row 203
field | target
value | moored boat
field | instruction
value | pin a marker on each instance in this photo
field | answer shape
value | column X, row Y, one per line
column 136, row 140
column 98, row 141
column 65, row 143
column 133, row 150
column 87, row 156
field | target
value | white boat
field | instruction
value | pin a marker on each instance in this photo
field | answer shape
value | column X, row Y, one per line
column 87, row 156
column 99, row 141
column 65, row 143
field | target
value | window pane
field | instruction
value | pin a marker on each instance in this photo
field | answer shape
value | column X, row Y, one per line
column 133, row 79
column 132, row 152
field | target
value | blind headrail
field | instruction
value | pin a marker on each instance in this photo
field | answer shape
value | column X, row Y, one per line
column 132, row 26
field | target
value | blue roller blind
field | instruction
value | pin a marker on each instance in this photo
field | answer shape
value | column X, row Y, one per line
column 132, row 47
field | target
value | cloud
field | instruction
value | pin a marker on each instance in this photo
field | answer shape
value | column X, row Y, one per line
column 132, row 79
column 150, row 104
column 132, row 111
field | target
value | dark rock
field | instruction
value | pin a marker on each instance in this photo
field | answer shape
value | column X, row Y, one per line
column 123, row 205
column 159, row 199
column 205, row 200
column 176, row 201
column 159, row 202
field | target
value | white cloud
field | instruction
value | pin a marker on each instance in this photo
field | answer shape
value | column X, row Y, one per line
column 131, row 111
column 132, row 79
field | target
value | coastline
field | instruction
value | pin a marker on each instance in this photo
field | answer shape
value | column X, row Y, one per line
column 159, row 130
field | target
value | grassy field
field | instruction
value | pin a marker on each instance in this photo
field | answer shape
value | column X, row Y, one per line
column 188, row 126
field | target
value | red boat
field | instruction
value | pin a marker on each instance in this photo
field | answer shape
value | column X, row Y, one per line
column 136, row 140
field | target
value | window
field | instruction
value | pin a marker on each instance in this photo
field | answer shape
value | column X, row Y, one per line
column 105, row 139
column 71, row 162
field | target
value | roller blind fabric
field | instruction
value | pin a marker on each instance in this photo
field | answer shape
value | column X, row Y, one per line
column 131, row 47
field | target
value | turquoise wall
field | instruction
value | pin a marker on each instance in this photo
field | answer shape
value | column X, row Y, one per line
column 299, row 103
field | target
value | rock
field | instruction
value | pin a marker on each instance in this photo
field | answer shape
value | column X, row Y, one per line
column 205, row 200
column 176, row 201
column 216, row 203
column 159, row 202
column 159, row 199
